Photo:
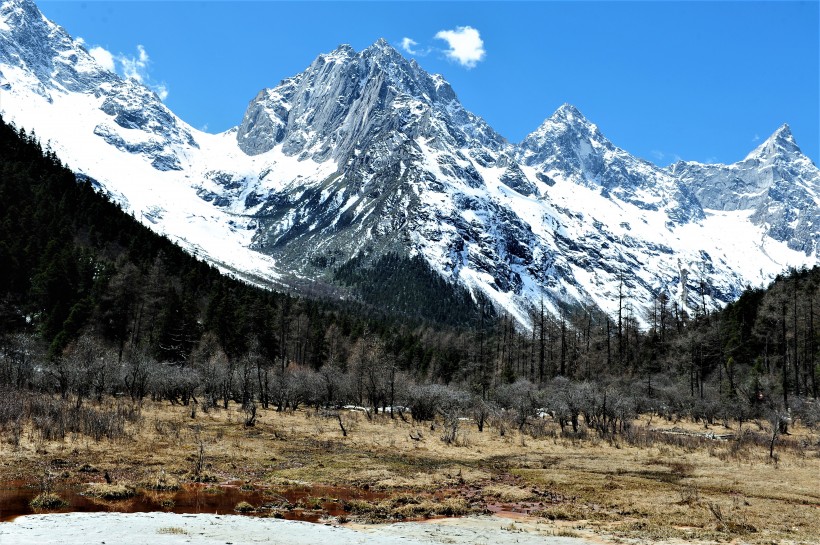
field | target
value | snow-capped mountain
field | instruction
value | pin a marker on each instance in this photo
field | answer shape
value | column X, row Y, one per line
column 568, row 146
column 775, row 184
column 120, row 134
column 365, row 153
column 41, row 59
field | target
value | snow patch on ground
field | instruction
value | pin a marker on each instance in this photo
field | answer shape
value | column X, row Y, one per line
column 175, row 529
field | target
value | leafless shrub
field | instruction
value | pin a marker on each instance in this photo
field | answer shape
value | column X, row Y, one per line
column 481, row 411
column 12, row 413
column 732, row 520
column 689, row 495
column 521, row 398
column 428, row 400
column 539, row 428
column 48, row 417
column 249, row 409
column 199, row 460
column 450, row 430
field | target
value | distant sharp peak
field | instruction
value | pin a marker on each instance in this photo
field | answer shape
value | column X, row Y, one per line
column 4, row 4
column 18, row 12
column 12, row 5
column 385, row 61
column 569, row 117
column 566, row 126
column 382, row 45
column 780, row 143
column 567, row 112
column 343, row 52
column 379, row 49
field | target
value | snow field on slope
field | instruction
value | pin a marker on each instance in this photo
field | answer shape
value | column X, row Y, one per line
column 164, row 201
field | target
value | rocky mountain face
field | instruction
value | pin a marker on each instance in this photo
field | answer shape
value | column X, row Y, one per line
column 776, row 184
column 364, row 155
column 568, row 146
column 408, row 174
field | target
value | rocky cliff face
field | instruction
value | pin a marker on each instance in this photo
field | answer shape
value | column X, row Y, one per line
column 365, row 154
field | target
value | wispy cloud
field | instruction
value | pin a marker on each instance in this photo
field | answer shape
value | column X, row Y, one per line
column 756, row 138
column 465, row 45
column 407, row 44
column 135, row 67
column 662, row 156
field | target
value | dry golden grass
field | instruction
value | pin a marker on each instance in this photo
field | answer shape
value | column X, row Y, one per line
column 110, row 492
column 652, row 487
column 47, row 501
column 172, row 530
column 243, row 507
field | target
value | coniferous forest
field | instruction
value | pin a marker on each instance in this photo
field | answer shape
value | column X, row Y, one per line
column 93, row 304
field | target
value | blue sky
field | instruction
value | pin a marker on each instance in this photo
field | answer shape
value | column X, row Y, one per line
column 704, row 81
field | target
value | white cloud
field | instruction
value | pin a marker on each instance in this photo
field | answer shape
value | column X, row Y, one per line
column 466, row 45
column 161, row 90
column 756, row 138
column 662, row 157
column 133, row 67
column 103, row 57
column 136, row 68
column 407, row 44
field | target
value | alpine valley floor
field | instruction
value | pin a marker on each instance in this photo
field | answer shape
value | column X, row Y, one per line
column 667, row 482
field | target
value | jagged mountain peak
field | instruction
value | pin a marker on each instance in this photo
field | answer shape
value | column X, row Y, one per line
column 19, row 16
column 344, row 98
column 41, row 59
column 776, row 183
column 342, row 53
column 383, row 46
column 570, row 147
column 565, row 133
column 31, row 43
column 568, row 126
column 780, row 143
column 17, row 10
column 568, row 113
column 379, row 58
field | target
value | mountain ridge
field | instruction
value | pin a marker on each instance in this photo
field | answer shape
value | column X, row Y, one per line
column 364, row 155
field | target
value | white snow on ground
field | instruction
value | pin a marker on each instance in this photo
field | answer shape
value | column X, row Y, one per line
column 174, row 529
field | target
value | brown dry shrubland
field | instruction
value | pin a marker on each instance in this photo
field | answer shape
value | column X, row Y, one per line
column 647, row 483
